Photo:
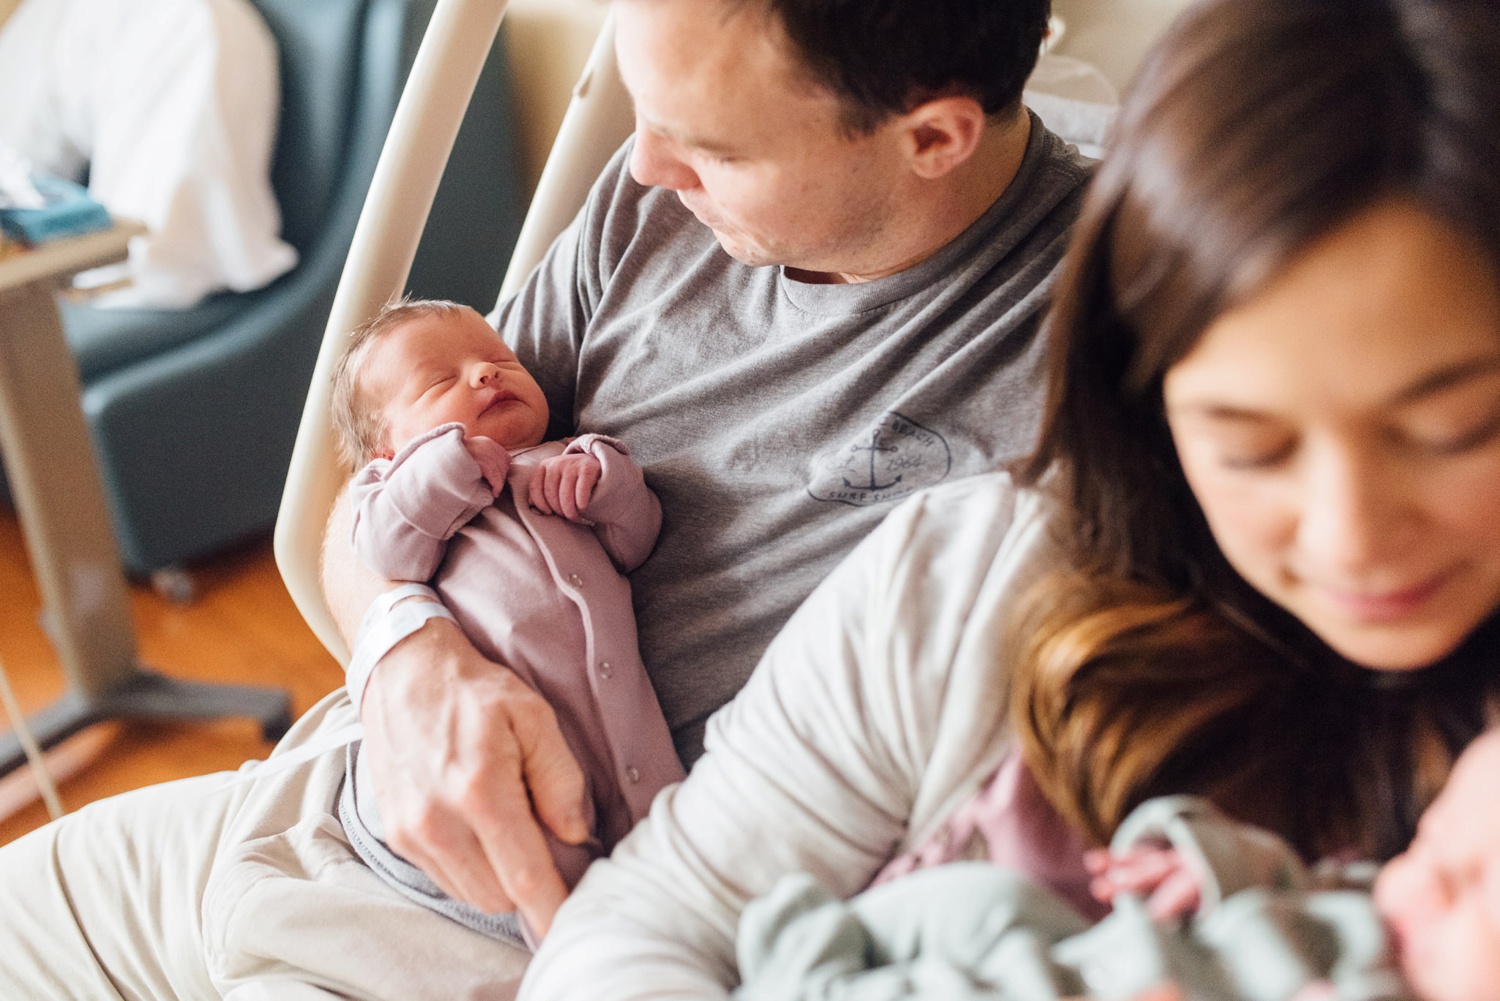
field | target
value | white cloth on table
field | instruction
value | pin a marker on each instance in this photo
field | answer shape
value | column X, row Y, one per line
column 171, row 107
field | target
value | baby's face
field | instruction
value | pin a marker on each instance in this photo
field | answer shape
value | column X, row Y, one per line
column 1442, row 897
column 435, row 370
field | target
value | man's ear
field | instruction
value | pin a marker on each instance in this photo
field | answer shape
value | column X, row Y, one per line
column 942, row 133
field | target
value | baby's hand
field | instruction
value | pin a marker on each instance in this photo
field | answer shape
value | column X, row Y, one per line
column 494, row 461
column 564, row 485
column 1157, row 873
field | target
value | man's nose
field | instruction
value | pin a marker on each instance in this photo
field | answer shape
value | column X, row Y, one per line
column 655, row 161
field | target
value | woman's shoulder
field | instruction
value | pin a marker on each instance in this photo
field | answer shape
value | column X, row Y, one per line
column 938, row 581
column 976, row 519
column 989, row 492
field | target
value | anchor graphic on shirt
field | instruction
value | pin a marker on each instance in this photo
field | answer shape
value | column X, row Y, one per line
column 886, row 460
column 873, row 448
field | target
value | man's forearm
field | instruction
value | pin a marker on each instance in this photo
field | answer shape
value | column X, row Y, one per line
column 436, row 700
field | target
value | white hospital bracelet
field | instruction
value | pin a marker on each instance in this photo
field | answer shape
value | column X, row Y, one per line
column 386, row 624
column 383, row 603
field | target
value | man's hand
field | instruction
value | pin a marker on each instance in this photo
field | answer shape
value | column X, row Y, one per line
column 464, row 757
column 564, row 484
column 461, row 751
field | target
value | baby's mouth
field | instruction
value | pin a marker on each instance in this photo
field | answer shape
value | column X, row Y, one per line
column 500, row 398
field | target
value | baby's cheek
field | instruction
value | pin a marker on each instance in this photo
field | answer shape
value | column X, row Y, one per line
column 1404, row 903
column 1489, row 906
column 1392, row 890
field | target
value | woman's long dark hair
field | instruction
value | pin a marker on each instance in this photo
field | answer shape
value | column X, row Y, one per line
column 1253, row 129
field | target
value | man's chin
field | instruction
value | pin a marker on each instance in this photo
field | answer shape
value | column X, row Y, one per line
column 755, row 257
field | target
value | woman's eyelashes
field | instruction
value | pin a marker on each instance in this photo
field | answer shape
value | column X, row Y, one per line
column 1257, row 457
column 1235, row 446
column 1451, row 433
column 1450, row 430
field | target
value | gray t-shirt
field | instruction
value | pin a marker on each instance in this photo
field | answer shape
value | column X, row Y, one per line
column 780, row 421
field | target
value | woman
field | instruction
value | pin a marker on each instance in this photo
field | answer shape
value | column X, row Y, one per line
column 1256, row 556
column 1274, row 420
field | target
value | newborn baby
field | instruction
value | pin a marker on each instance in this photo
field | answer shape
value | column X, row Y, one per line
column 1203, row 908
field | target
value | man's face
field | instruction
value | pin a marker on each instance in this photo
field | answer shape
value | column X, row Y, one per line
column 727, row 118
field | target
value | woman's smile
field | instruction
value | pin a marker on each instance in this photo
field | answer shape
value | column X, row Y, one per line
column 1383, row 605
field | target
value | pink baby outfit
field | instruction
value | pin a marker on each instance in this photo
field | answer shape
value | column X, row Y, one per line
column 539, row 594
column 1009, row 822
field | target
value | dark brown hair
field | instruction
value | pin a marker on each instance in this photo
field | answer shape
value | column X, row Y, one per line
column 884, row 57
column 1253, row 129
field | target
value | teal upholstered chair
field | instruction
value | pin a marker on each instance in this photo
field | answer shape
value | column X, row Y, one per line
column 194, row 413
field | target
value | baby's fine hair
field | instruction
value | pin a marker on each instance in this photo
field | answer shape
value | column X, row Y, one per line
column 359, row 421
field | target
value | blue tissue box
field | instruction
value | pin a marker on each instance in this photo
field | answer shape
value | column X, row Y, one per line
column 69, row 212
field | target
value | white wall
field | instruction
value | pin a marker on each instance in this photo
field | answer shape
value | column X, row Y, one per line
column 547, row 43
column 1113, row 34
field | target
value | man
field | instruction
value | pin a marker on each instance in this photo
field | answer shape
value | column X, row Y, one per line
column 809, row 287
column 848, row 155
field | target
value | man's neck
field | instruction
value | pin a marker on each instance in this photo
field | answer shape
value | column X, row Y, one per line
column 950, row 206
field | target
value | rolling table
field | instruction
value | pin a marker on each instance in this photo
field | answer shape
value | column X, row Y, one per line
column 59, row 498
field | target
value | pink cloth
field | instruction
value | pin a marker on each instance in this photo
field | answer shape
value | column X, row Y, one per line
column 539, row 594
column 1009, row 822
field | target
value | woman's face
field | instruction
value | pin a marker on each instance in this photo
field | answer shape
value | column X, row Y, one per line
column 1341, row 432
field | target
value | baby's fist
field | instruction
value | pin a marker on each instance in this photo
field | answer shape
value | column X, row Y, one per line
column 564, row 485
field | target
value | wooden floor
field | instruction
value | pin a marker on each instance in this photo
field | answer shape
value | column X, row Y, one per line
column 242, row 627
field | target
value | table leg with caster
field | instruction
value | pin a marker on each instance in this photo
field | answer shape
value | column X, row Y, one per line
column 60, row 504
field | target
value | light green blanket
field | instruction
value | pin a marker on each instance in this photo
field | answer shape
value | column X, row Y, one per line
column 972, row 930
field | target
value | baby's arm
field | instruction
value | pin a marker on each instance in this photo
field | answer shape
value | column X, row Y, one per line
column 408, row 507
column 595, row 482
column 1184, row 856
column 1157, row 872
